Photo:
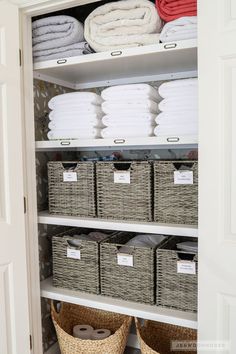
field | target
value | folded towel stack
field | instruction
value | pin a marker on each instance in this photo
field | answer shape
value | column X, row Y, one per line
column 58, row 37
column 125, row 23
column 75, row 115
column 170, row 10
column 130, row 111
column 179, row 108
column 180, row 29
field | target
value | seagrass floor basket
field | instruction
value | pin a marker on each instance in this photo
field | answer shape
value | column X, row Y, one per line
column 124, row 190
column 175, row 195
column 164, row 338
column 71, row 315
column 71, row 188
column 176, row 289
column 77, row 267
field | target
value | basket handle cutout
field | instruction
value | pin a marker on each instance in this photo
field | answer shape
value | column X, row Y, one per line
column 122, row 166
column 71, row 243
column 182, row 165
column 131, row 249
column 186, row 256
column 69, row 165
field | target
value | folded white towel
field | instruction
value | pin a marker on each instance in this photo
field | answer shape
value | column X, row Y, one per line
column 74, row 98
column 190, row 129
column 179, row 104
column 128, row 119
column 75, row 124
column 176, row 117
column 125, row 23
column 74, row 134
column 127, row 132
column 56, row 31
column 132, row 91
column 131, row 106
column 173, row 87
column 76, row 112
column 180, row 29
column 146, row 240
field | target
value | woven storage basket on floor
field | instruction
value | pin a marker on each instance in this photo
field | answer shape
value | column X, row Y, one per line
column 176, row 290
column 157, row 337
column 125, row 201
column 75, row 198
column 71, row 315
column 135, row 283
column 76, row 274
column 175, row 203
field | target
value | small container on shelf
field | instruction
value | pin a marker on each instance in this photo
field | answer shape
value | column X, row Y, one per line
column 124, row 190
column 176, row 192
column 177, row 274
column 128, row 272
column 71, row 188
column 76, row 259
column 158, row 338
column 71, row 315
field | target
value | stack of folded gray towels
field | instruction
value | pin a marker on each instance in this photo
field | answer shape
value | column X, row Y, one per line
column 58, row 37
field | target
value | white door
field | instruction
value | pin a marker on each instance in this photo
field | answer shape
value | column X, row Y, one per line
column 14, row 321
column 217, row 264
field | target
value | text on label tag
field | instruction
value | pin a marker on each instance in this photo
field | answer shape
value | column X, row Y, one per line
column 186, row 267
column 69, row 177
column 122, row 177
column 183, row 177
column 71, row 253
column 125, row 259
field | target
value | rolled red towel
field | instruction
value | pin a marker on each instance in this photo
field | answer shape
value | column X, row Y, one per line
column 170, row 10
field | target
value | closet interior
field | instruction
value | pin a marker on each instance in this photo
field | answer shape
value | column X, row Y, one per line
column 163, row 169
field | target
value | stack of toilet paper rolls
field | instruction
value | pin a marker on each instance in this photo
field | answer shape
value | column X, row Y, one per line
column 88, row 332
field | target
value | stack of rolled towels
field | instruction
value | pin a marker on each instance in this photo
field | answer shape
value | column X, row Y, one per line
column 87, row 332
column 129, row 110
column 179, row 108
column 75, row 115
column 58, row 37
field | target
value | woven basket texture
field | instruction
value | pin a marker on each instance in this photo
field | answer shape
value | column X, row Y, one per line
column 125, row 201
column 76, row 274
column 175, row 290
column 175, row 203
column 157, row 337
column 71, row 315
column 72, row 198
column 135, row 283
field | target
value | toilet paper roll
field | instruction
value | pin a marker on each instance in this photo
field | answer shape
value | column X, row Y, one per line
column 99, row 334
column 83, row 331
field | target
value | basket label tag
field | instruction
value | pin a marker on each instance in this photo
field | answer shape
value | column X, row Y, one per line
column 71, row 253
column 122, row 177
column 186, row 267
column 125, row 259
column 183, row 177
column 69, row 177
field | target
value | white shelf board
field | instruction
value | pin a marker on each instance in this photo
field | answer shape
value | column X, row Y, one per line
column 177, row 142
column 119, row 225
column 150, row 312
column 145, row 61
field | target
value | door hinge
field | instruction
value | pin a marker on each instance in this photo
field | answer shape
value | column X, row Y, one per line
column 20, row 57
column 31, row 344
column 25, row 205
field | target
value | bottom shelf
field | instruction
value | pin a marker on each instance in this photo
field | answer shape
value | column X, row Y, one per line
column 149, row 312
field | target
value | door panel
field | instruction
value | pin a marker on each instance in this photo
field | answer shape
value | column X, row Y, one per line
column 14, row 321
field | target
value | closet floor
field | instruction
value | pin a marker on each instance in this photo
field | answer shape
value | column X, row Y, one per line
column 132, row 351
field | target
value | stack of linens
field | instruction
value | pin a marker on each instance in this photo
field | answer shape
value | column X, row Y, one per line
column 180, row 29
column 170, row 10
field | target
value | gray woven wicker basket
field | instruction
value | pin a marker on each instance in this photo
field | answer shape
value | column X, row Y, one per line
column 75, row 198
column 125, row 201
column 76, row 274
column 135, row 283
column 175, row 290
column 175, row 203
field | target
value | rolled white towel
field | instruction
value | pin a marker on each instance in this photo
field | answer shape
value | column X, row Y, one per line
column 128, row 119
column 127, row 132
column 176, row 117
column 74, row 134
column 74, row 98
column 179, row 130
column 178, row 87
column 128, row 107
column 143, row 240
column 180, row 29
column 132, row 91
column 179, row 104
column 75, row 124
column 77, row 112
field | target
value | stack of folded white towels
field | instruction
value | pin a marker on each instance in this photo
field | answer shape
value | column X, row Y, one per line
column 130, row 111
column 179, row 108
column 179, row 29
column 75, row 115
